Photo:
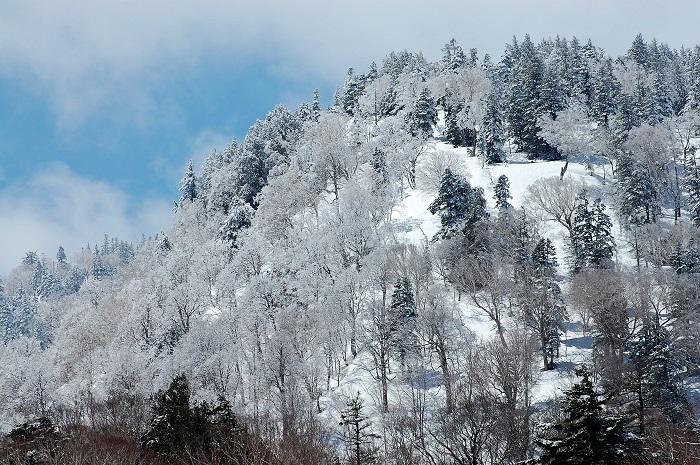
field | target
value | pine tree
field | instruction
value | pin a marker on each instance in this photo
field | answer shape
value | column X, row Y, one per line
column 389, row 103
column 691, row 181
column 460, row 207
column 638, row 196
column 99, row 269
column 524, row 102
column 541, row 303
column 453, row 58
column 316, row 106
column 604, row 89
column 61, row 257
column 491, row 136
column 588, row 434
column 180, row 432
column 502, row 193
column 357, row 436
column 591, row 241
column 638, row 52
column 239, row 218
column 188, row 186
column 424, row 116
column 544, row 256
column 655, row 374
column 402, row 318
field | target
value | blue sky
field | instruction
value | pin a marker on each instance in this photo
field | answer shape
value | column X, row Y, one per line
column 103, row 102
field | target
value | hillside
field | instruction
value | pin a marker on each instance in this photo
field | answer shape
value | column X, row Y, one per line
column 439, row 268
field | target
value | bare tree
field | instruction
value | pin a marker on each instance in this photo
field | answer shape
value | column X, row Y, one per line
column 554, row 197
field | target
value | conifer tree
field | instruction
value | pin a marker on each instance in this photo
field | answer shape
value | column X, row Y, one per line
column 460, row 207
column 491, row 136
column 655, row 374
column 357, row 435
column 502, row 193
column 316, row 106
column 188, row 186
column 588, row 433
column 591, row 240
column 453, row 57
column 402, row 318
column 424, row 116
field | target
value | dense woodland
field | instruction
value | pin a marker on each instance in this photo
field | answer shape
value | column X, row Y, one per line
column 287, row 317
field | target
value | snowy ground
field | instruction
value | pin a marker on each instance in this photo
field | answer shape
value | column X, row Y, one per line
column 415, row 224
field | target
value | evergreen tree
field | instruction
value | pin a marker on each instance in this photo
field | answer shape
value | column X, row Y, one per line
column 524, row 102
column 604, row 89
column 588, row 433
column 240, row 217
column 61, row 257
column 655, row 374
column 460, row 207
column 491, row 136
column 691, row 181
column 638, row 52
column 540, row 300
column 453, row 58
column 174, row 421
column 424, row 116
column 591, row 240
column 100, row 270
column 455, row 135
column 180, row 431
column 544, row 256
column 30, row 258
column 357, row 436
column 402, row 318
column 316, row 106
column 639, row 198
column 502, row 193
column 379, row 167
column 188, row 186
column 389, row 103
column 75, row 280
column 19, row 316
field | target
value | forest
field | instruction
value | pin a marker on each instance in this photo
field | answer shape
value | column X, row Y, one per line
column 470, row 261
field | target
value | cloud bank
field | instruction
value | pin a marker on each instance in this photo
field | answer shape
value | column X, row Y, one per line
column 59, row 207
column 84, row 53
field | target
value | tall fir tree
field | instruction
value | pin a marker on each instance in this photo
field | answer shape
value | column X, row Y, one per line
column 402, row 318
column 502, row 193
column 492, row 136
column 588, row 434
column 591, row 240
column 460, row 207
column 357, row 434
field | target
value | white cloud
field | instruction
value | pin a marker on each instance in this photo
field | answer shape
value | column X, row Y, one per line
column 59, row 207
column 90, row 54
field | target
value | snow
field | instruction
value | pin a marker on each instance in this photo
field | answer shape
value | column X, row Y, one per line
column 413, row 223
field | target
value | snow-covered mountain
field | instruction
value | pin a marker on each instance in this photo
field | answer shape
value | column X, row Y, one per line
column 433, row 270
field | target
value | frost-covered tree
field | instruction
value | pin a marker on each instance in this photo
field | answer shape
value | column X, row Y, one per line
column 460, row 206
column 424, row 116
column 502, row 193
column 655, row 375
column 588, row 433
column 539, row 298
column 402, row 318
column 570, row 132
column 188, row 186
column 492, row 134
column 591, row 240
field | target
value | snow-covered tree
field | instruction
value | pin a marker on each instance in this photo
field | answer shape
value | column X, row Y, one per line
column 588, row 433
column 502, row 193
column 460, row 206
